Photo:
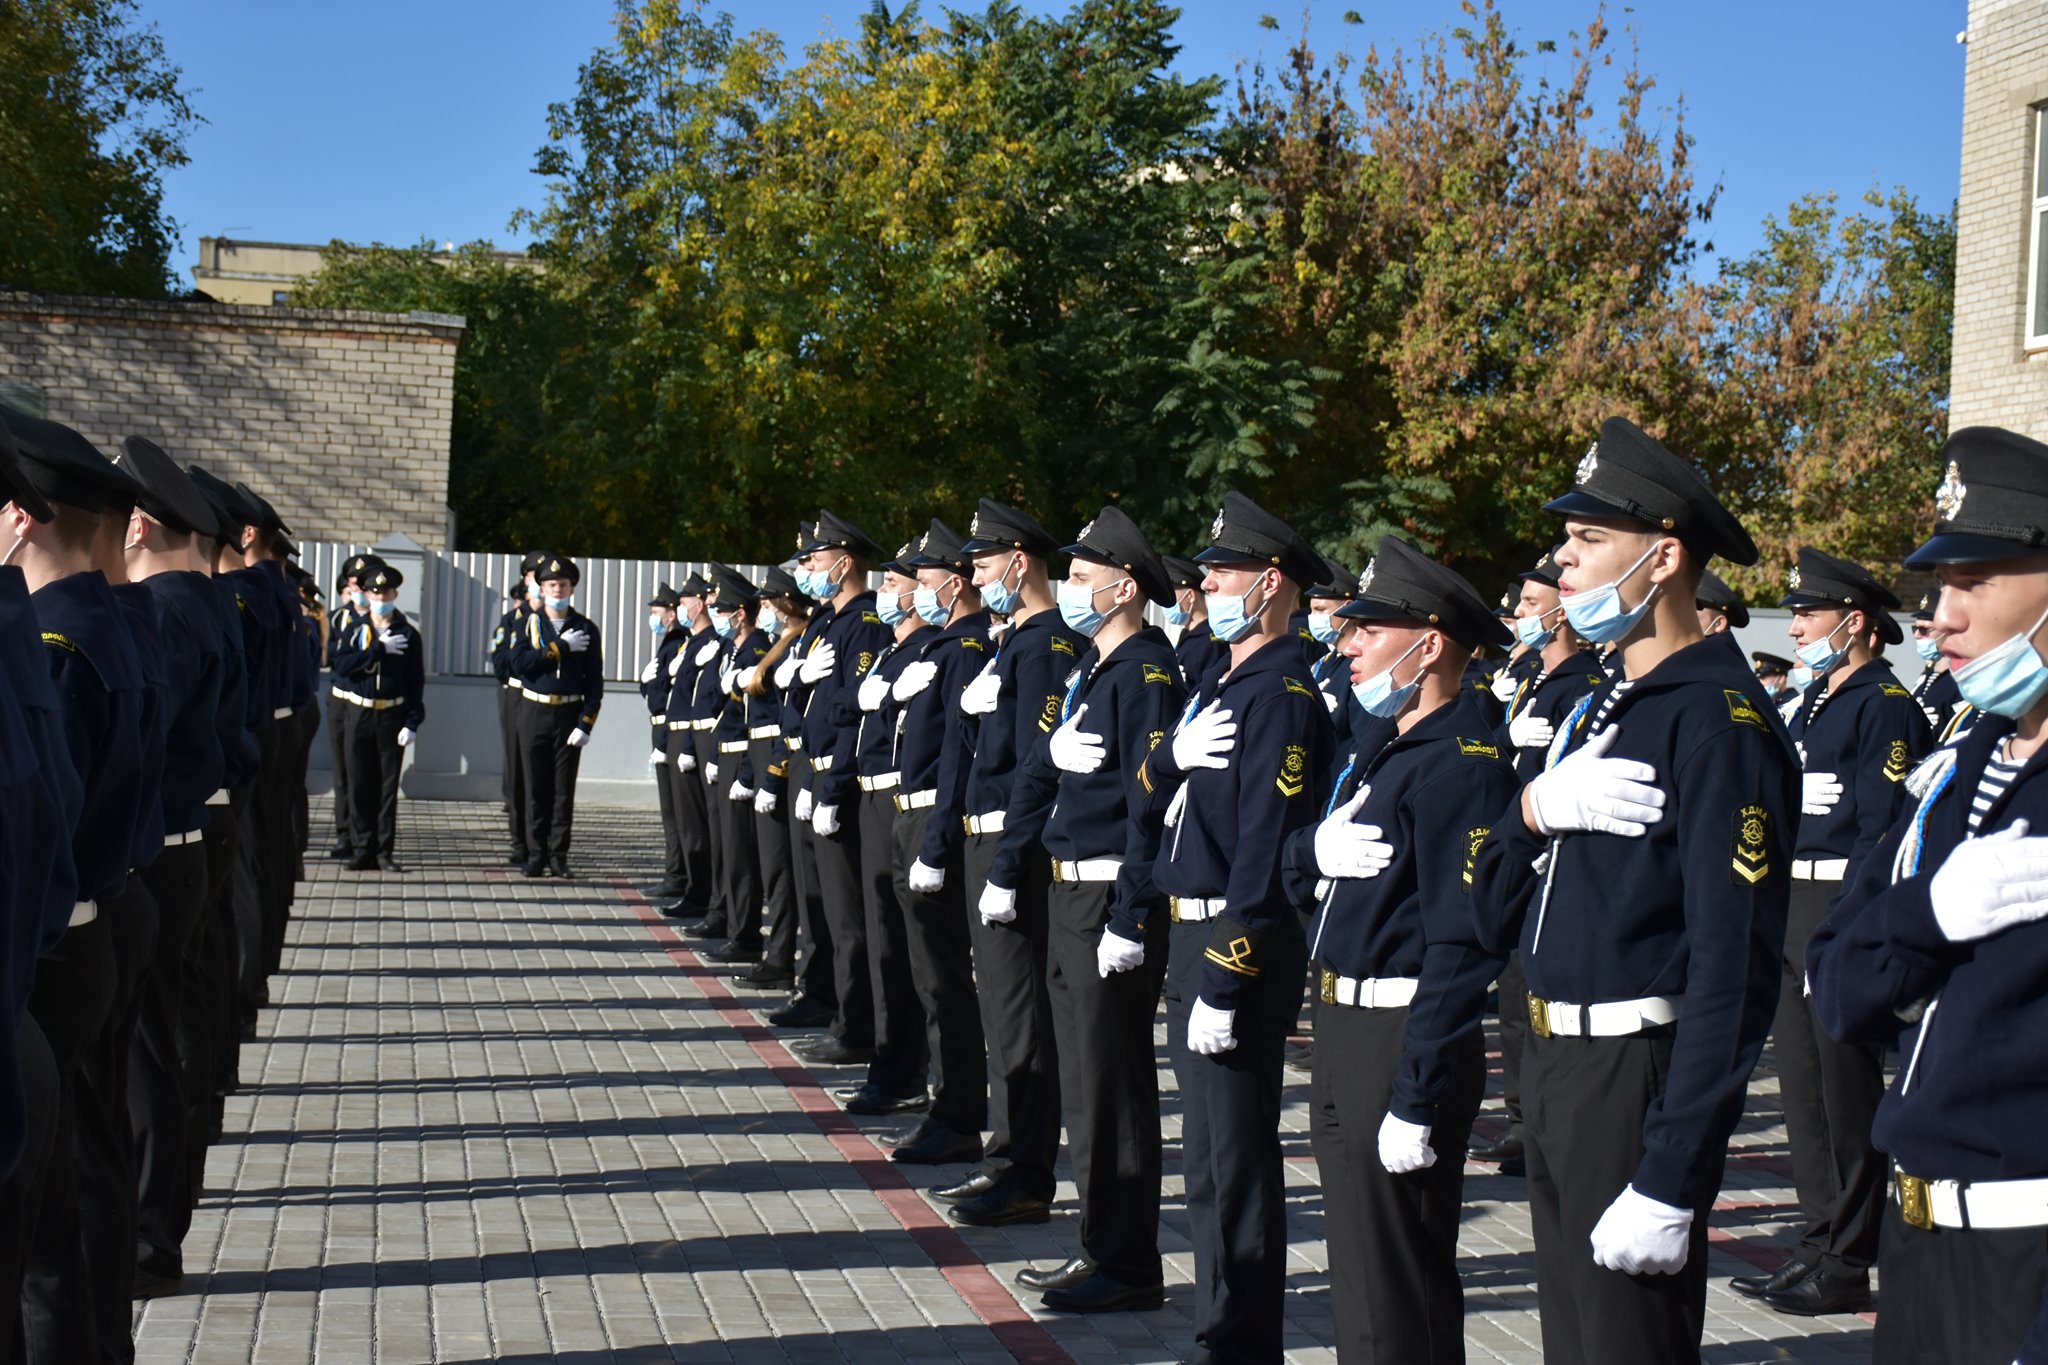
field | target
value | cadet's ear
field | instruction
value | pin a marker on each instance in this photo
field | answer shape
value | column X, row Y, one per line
column 1667, row 557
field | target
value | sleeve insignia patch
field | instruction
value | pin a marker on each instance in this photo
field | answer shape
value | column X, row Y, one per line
column 1893, row 690
column 1152, row 740
column 864, row 663
column 1897, row 762
column 62, row 641
column 1155, row 674
column 1742, row 710
column 1049, row 715
column 1296, row 685
column 1751, row 863
column 1293, row 779
column 1473, row 839
column 1477, row 748
column 1235, row 957
column 1062, row 645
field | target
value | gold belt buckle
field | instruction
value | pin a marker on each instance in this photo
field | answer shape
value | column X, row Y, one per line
column 1539, row 1017
column 1173, row 909
column 1914, row 1205
column 1329, row 988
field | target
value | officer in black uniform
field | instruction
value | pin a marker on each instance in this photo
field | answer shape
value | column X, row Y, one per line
column 1008, row 707
column 734, row 601
column 783, row 611
column 348, row 612
column 382, row 662
column 524, row 601
column 687, row 798
column 559, row 661
column 1069, row 813
column 1198, row 649
column 667, row 633
column 1643, row 876
column 932, row 757
column 1401, row 1058
column 1939, row 943
column 1245, row 767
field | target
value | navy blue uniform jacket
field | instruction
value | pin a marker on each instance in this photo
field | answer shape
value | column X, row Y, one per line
column 1033, row 662
column 371, row 671
column 543, row 664
column 188, row 615
column 931, row 749
column 1869, row 733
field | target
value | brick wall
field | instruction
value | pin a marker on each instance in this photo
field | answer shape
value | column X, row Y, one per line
column 340, row 418
column 1994, row 380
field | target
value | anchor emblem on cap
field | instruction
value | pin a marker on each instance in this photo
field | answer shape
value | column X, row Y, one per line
column 1589, row 463
column 1086, row 531
column 1793, row 581
column 1365, row 579
column 1948, row 499
column 1216, row 526
column 974, row 527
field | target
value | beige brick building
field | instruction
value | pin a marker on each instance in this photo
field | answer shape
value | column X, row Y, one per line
column 340, row 418
column 2000, row 374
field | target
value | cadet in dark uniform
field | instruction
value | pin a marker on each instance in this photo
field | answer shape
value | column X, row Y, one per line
column 382, row 661
column 1070, row 813
column 1009, row 706
column 799, row 675
column 687, row 797
column 348, row 613
column 1721, row 611
column 704, row 703
column 512, row 786
column 667, row 634
column 734, row 601
column 1198, row 649
column 1772, row 674
column 1651, row 935
column 782, row 615
column 559, row 661
column 1935, row 689
column 1401, row 1058
column 1938, row 942
column 1329, row 670
column 932, row 757
column 1244, row 769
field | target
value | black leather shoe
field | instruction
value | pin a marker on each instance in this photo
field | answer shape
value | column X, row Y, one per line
column 681, row 908
column 801, row 1013
column 387, row 863
column 1303, row 1057
column 362, row 862
column 1822, row 1292
column 517, row 858
column 558, row 866
column 667, row 891
column 868, row 1100
column 709, row 929
column 156, row 1284
column 536, row 868
column 1000, row 1207
column 1100, row 1294
column 341, row 851
column 1073, row 1273
column 940, row 1147
column 1779, row 1280
column 766, row 977
column 981, row 1182
column 732, row 954
column 1506, row 1147
column 830, row 1051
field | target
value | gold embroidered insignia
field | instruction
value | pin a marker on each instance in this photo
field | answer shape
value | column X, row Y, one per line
column 1153, row 673
column 1897, row 762
column 63, row 642
column 1478, row 748
column 1751, row 863
column 1235, row 958
column 1473, row 839
column 1293, row 778
column 1742, row 710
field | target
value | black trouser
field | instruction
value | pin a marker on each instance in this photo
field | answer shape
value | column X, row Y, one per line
column 1514, row 1037
column 1393, row 1239
column 742, row 857
column 693, row 823
column 337, row 759
column 271, row 865
column 814, row 971
column 778, row 870
column 1961, row 1297
column 550, row 764
column 21, row 1191
column 1010, row 966
column 1830, row 1092
column 1583, row 1106
column 717, row 825
column 1230, row 1145
column 942, row 966
column 307, row 722
column 375, row 760
column 1109, row 1081
column 837, row 861
column 672, row 873
column 902, row 1054
column 214, row 1008
column 512, row 783
column 106, row 1137
column 159, row 1101
column 74, row 992
column 245, row 895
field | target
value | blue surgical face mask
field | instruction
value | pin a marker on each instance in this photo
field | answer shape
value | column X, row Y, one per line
column 1077, row 606
column 819, row 583
column 889, row 606
column 1378, row 694
column 1323, row 626
column 925, row 602
column 2006, row 681
column 999, row 597
column 655, row 625
column 1598, row 613
column 1823, row 654
column 768, row 621
column 1177, row 615
column 384, row 608
column 1531, row 631
column 724, row 624
column 1800, row 678
column 1929, row 649
column 561, row 604
column 356, row 599
column 1230, row 619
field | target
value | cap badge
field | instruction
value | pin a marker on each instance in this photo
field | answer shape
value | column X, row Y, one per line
column 554, row 565
column 904, row 553
column 1589, row 463
column 1086, row 531
column 974, row 527
column 925, row 541
column 799, row 542
column 1923, row 601
column 1504, row 601
column 1948, row 499
column 1216, row 526
column 1365, row 579
column 1793, row 581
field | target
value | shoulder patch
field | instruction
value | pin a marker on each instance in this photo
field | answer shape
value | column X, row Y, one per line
column 1062, row 645
column 1897, row 762
column 1894, row 690
column 973, row 642
column 1751, row 862
column 1297, row 685
column 62, row 641
column 1155, row 674
column 870, row 619
column 1293, row 778
column 1742, row 710
column 1477, row 748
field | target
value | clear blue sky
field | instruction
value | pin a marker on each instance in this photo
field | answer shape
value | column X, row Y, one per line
column 382, row 121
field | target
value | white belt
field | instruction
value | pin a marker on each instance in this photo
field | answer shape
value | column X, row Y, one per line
column 917, row 800
column 345, row 695
column 1610, row 1019
column 1087, row 870
column 281, row 712
column 796, row 744
column 733, row 746
column 546, row 698
column 992, row 823
column 511, row 684
column 84, row 912
column 383, row 704
column 1986, row 1205
column 882, row 783
column 190, row 836
column 823, row 764
column 679, row 725
column 1819, row 869
column 219, row 798
column 657, row 720
column 705, row 724
column 764, row 731
column 1369, row 993
column 1193, row 910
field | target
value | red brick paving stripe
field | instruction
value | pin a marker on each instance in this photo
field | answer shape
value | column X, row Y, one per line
column 1014, row 1329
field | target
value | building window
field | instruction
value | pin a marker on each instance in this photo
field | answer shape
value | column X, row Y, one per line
column 280, row 297
column 2037, row 246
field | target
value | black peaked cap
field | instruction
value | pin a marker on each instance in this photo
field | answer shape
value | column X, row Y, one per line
column 14, row 483
column 778, row 582
column 1715, row 593
column 1182, row 572
column 167, row 491
column 998, row 526
column 531, row 561
column 1337, row 581
column 1544, row 571
column 665, row 596
column 558, row 566
column 235, row 510
column 355, row 565
column 696, row 585
column 832, row 532
column 1628, row 473
column 1246, row 533
column 381, row 577
column 266, row 515
column 1992, row 502
column 732, row 588
column 1402, row 583
column 1770, row 663
column 900, row 561
column 938, row 548
column 65, row 467
column 1112, row 538
column 1925, row 611
column 1822, row 580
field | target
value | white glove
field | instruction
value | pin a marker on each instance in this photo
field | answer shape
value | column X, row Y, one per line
column 393, row 643
column 1073, row 749
column 710, row 774
column 1208, row 1027
column 1329, row 701
column 765, row 803
column 1933, row 717
column 578, row 737
column 925, row 880
column 686, row 762
column 657, row 758
column 1589, row 791
column 745, row 678
column 1818, row 793
column 675, row 664
column 1206, row 740
column 576, row 638
column 998, row 904
column 873, row 691
column 981, row 695
column 405, row 736
column 824, row 821
column 1404, row 1146
column 1640, row 1236
column 802, row 810
column 653, row 667
column 1115, row 953
column 726, row 677
column 1991, row 883
column 1346, row 849
column 708, row 651
column 1531, row 731
column 739, row 791
column 819, row 663
column 914, row 678
column 785, row 671
column 1503, row 687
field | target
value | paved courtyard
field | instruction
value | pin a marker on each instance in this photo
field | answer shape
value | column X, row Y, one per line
column 488, row 1119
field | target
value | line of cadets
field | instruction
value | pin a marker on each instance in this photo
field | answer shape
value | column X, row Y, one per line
column 158, row 657
column 977, row 854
